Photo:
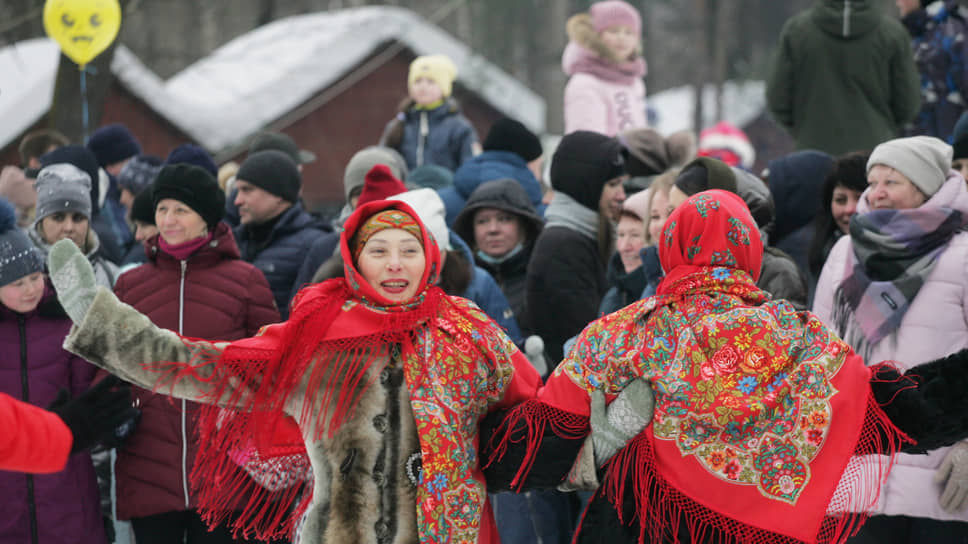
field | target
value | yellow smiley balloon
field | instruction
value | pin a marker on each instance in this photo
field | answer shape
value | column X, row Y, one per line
column 82, row 28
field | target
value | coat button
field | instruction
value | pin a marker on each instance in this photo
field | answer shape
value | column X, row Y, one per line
column 385, row 376
column 382, row 529
column 380, row 423
column 380, row 478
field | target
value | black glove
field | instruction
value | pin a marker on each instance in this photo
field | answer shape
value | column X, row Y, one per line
column 95, row 414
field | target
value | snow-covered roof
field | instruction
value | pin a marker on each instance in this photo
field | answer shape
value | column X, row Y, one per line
column 742, row 102
column 257, row 78
column 29, row 69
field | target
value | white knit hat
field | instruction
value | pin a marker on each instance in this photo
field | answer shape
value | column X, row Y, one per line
column 925, row 160
column 430, row 208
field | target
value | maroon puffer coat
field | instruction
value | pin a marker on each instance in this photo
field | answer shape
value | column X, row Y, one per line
column 213, row 295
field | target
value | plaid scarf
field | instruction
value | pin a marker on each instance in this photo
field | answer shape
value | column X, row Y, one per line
column 894, row 251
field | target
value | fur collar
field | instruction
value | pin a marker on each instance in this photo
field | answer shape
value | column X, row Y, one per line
column 586, row 52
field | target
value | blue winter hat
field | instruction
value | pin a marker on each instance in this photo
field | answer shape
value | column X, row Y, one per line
column 192, row 154
column 113, row 143
column 18, row 255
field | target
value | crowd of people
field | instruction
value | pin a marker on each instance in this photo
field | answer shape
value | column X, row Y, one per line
column 634, row 337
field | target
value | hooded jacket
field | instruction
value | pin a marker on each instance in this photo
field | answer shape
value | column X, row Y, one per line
column 843, row 78
column 488, row 166
column 61, row 507
column 212, row 294
column 441, row 136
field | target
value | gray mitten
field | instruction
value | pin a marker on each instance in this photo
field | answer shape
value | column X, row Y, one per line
column 73, row 279
column 622, row 420
column 953, row 475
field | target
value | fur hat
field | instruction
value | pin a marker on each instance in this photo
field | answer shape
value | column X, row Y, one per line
column 614, row 13
column 364, row 160
column 438, row 68
column 727, row 143
column 430, row 209
column 925, row 160
column 650, row 154
column 62, row 188
column 192, row 154
column 193, row 186
column 82, row 158
column 509, row 135
column 502, row 194
column 380, row 185
column 583, row 162
column 113, row 143
column 272, row 171
column 18, row 255
column 139, row 172
column 281, row 142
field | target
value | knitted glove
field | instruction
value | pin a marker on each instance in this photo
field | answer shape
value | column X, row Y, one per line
column 953, row 475
column 95, row 414
column 73, row 279
column 614, row 426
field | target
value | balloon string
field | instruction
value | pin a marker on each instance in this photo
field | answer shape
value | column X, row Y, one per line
column 84, row 115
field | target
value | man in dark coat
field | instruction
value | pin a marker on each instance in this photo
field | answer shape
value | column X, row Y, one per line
column 275, row 231
column 843, row 79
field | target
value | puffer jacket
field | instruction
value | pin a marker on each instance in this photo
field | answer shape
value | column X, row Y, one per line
column 600, row 96
column 935, row 325
column 486, row 293
column 61, row 507
column 283, row 252
column 487, row 166
column 844, row 78
column 214, row 295
column 441, row 136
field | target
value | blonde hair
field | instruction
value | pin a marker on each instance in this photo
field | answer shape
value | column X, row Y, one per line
column 662, row 183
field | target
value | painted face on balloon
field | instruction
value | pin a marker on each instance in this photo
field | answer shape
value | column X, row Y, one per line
column 83, row 28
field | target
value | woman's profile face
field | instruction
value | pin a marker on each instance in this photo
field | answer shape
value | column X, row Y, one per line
column 392, row 262
column 889, row 189
column 843, row 205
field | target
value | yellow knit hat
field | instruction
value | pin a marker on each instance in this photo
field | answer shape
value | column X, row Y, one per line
column 438, row 68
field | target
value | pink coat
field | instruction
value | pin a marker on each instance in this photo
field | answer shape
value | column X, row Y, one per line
column 935, row 325
column 599, row 104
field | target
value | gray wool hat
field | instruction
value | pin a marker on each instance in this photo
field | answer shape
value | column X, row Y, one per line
column 364, row 160
column 924, row 160
column 63, row 187
column 18, row 255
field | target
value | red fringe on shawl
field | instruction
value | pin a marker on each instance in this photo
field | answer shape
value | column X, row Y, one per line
column 660, row 509
column 528, row 422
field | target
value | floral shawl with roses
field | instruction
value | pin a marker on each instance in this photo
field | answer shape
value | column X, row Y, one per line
column 758, row 407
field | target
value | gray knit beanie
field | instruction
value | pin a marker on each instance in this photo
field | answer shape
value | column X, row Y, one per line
column 63, row 187
column 364, row 160
column 924, row 160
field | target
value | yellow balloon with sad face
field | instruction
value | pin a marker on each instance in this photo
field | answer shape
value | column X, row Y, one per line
column 82, row 28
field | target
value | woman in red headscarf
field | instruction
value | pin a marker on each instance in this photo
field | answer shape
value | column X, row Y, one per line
column 380, row 377
column 758, row 409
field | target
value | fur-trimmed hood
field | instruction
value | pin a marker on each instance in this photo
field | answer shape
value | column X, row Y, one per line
column 585, row 45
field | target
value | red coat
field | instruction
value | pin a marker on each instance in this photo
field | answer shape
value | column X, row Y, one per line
column 33, row 439
column 224, row 298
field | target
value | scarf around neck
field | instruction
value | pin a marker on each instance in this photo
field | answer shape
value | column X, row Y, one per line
column 185, row 250
column 580, row 59
column 894, row 251
column 565, row 211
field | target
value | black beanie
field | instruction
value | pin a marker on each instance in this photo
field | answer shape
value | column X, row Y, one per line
column 705, row 173
column 510, row 135
column 193, row 186
column 583, row 162
column 272, row 171
column 143, row 207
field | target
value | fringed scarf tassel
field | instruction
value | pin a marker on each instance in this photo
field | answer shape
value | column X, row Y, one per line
column 666, row 515
column 524, row 428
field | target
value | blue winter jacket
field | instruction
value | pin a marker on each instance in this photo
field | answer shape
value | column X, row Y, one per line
column 449, row 140
column 487, row 166
column 284, row 253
